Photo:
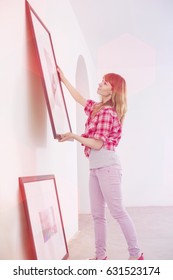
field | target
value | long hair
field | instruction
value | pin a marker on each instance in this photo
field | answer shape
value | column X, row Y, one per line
column 118, row 99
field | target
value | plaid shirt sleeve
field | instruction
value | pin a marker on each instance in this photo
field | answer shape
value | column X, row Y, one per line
column 108, row 128
column 89, row 107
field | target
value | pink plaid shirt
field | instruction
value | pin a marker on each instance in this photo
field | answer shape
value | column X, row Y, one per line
column 104, row 126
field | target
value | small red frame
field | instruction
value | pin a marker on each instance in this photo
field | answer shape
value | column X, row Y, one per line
column 44, row 218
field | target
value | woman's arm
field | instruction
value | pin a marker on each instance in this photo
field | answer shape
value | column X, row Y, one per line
column 89, row 142
column 74, row 93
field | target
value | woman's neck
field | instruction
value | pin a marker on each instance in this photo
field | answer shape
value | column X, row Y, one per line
column 105, row 99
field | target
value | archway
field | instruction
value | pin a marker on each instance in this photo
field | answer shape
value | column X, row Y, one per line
column 82, row 85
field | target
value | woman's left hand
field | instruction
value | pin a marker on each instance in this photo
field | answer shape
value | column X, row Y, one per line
column 66, row 136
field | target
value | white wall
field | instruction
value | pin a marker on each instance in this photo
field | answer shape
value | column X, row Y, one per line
column 27, row 144
column 140, row 49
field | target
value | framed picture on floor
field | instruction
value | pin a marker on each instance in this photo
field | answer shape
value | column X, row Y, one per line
column 44, row 217
column 53, row 91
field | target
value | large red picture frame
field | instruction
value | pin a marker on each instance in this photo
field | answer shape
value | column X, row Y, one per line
column 44, row 218
column 53, row 91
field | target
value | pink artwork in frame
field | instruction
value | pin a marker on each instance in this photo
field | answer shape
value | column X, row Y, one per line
column 44, row 218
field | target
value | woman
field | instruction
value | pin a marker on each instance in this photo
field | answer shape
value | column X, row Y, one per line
column 102, row 134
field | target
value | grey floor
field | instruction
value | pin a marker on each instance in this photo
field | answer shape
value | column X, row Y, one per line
column 154, row 227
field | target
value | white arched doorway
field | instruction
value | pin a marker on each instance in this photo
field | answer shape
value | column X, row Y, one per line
column 82, row 86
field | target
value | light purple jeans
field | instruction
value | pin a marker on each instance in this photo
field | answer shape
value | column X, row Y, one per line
column 105, row 187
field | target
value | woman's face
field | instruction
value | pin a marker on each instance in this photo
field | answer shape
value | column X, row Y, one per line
column 104, row 88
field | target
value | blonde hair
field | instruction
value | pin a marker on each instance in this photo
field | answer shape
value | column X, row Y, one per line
column 118, row 99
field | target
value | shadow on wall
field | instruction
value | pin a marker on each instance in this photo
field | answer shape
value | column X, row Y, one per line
column 25, row 236
column 31, row 130
column 37, row 112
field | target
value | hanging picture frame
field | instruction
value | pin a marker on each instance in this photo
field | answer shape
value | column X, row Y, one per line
column 51, row 82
